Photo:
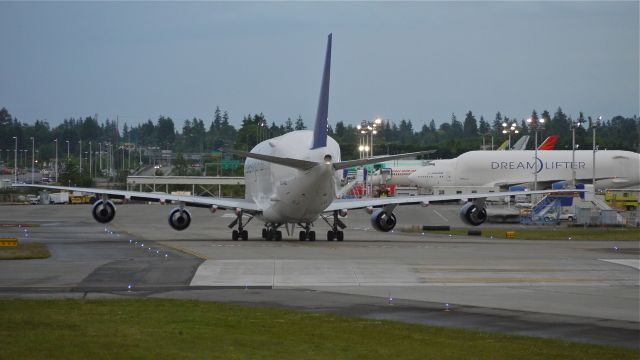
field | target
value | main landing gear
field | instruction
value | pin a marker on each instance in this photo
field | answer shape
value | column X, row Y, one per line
column 241, row 233
column 271, row 232
column 307, row 233
column 334, row 233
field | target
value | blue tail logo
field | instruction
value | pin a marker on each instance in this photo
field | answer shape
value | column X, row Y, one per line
column 320, row 128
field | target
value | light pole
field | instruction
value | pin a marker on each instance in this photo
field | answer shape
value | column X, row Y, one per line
column 100, row 157
column 56, row 167
column 535, row 124
column 363, row 147
column 506, row 129
column 15, row 161
column 90, row 162
column 67, row 150
column 593, row 126
column 376, row 123
column 33, row 153
column 488, row 133
column 574, row 125
column 80, row 142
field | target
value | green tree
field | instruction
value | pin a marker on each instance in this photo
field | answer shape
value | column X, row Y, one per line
column 456, row 127
column 497, row 122
column 180, row 166
column 70, row 176
column 484, row 127
column 165, row 132
column 288, row 125
column 300, row 123
column 470, row 125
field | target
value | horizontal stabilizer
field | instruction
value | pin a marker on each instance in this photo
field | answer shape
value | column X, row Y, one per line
column 377, row 159
column 294, row 163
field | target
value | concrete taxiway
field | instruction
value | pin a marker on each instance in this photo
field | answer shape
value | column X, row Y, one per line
column 575, row 290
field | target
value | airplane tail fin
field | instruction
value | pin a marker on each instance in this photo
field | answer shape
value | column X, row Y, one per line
column 320, row 128
column 521, row 144
column 504, row 145
column 549, row 143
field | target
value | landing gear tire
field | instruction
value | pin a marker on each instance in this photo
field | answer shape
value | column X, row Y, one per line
column 302, row 236
column 245, row 235
column 330, row 235
column 312, row 236
column 278, row 236
column 264, row 233
column 340, row 236
column 234, row 235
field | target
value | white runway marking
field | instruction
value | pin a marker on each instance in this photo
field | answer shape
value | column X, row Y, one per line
column 441, row 216
column 634, row 263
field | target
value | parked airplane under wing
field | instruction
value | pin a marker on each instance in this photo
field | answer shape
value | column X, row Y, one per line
column 614, row 169
column 290, row 179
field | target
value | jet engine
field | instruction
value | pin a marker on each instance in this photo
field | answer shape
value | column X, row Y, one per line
column 103, row 211
column 179, row 219
column 382, row 221
column 471, row 214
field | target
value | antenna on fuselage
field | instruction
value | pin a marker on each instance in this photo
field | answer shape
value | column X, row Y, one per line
column 320, row 128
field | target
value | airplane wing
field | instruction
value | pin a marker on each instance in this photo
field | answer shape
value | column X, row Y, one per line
column 348, row 204
column 195, row 201
column 546, row 184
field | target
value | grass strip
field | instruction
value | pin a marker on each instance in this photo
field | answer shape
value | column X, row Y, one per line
column 186, row 329
column 24, row 252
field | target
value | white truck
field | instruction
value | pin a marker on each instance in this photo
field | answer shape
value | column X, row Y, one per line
column 59, row 198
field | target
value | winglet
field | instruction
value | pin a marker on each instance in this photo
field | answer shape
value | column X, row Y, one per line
column 320, row 128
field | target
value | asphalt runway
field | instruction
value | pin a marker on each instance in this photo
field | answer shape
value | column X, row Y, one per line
column 575, row 290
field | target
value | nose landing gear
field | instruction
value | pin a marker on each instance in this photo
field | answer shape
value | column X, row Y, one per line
column 307, row 233
column 271, row 232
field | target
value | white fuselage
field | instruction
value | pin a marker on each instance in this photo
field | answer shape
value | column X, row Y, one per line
column 399, row 175
column 286, row 194
column 614, row 168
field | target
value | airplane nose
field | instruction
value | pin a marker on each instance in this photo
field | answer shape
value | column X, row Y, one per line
column 413, row 178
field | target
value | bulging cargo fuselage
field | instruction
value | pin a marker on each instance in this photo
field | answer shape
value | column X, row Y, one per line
column 614, row 168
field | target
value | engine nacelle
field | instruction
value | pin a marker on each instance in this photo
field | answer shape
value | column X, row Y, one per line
column 472, row 214
column 179, row 220
column 382, row 221
column 343, row 212
column 103, row 211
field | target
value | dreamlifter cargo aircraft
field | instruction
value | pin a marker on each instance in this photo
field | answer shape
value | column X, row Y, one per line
column 290, row 180
column 614, row 169
column 398, row 175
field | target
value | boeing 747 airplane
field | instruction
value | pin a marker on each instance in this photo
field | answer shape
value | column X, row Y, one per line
column 614, row 169
column 291, row 180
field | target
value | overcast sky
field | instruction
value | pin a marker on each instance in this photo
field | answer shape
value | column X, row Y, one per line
column 417, row 60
